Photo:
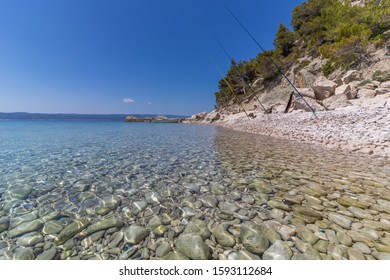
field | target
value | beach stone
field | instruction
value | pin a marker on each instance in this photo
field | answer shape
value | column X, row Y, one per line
column 340, row 220
column 25, row 227
column 48, row 254
column 104, row 224
column 382, row 248
column 24, row 254
column 381, row 255
column 278, row 251
column 278, row 205
column 154, row 222
column 86, row 242
column 138, row 206
column 242, row 255
column 321, row 246
column 108, row 204
column 153, row 198
column 359, row 213
column 160, row 230
column 228, row 206
column 198, row 227
column 4, row 224
column 29, row 239
column 337, row 252
column 271, row 234
column 286, row 232
column 14, row 222
column 134, row 234
column 350, row 201
column 261, row 186
column 344, row 239
column 51, row 216
column 306, row 211
column 163, row 249
column 209, row 201
column 360, row 246
column 376, row 225
column 260, row 198
column 350, row 76
column 175, row 256
column 193, row 246
column 354, row 254
column 306, row 235
column 20, row 192
column 71, row 230
column 223, row 237
column 253, row 239
column 295, row 199
column 217, row 189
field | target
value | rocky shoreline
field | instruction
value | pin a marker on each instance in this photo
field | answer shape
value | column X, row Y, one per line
column 356, row 130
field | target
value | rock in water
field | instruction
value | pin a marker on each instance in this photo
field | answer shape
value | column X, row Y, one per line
column 341, row 220
column 48, row 255
column 193, row 246
column 253, row 239
column 134, row 234
column 242, row 255
column 278, row 251
column 24, row 254
column 223, row 237
column 25, row 227
column 104, row 224
column 71, row 230
column 198, row 227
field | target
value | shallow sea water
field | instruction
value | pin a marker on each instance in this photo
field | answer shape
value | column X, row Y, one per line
column 73, row 190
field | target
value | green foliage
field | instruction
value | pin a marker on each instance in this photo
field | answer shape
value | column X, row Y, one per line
column 328, row 68
column 364, row 82
column 284, row 40
column 381, row 76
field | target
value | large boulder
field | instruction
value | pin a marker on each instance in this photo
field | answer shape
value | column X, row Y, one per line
column 336, row 101
column 323, row 88
column 307, row 92
column 350, row 76
column 366, row 93
column 212, row 117
column 299, row 104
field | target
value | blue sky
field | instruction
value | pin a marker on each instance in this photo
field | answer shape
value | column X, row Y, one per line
column 125, row 56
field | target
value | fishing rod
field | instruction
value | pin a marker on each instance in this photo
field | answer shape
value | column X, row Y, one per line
column 229, row 86
column 242, row 76
column 270, row 58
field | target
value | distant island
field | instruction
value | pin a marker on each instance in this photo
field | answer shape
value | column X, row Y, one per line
column 97, row 117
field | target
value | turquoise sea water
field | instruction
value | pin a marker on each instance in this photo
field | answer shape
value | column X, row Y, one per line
column 53, row 173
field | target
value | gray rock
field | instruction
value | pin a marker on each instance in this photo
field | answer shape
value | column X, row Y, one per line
column 307, row 236
column 223, row 237
column 24, row 254
column 115, row 242
column 242, row 255
column 154, row 222
column 104, row 224
column 4, row 224
column 14, row 222
column 71, row 230
column 354, row 254
column 278, row 205
column 29, row 239
column 48, row 254
column 153, row 198
column 381, row 255
column 217, row 189
column 344, row 239
column 340, row 220
column 20, row 192
column 193, row 247
column 278, row 251
column 25, row 227
column 362, row 247
column 199, row 227
column 175, row 256
column 359, row 213
column 253, row 239
column 138, row 206
column 209, row 201
column 163, row 249
column 134, row 234
column 323, row 88
column 52, row 227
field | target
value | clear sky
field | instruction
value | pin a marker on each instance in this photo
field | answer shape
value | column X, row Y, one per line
column 125, row 56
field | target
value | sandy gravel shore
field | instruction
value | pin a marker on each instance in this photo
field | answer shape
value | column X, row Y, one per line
column 355, row 130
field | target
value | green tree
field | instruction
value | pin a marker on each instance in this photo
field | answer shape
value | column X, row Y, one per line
column 284, row 40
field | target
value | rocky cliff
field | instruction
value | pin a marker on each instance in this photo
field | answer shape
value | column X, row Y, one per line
column 364, row 83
